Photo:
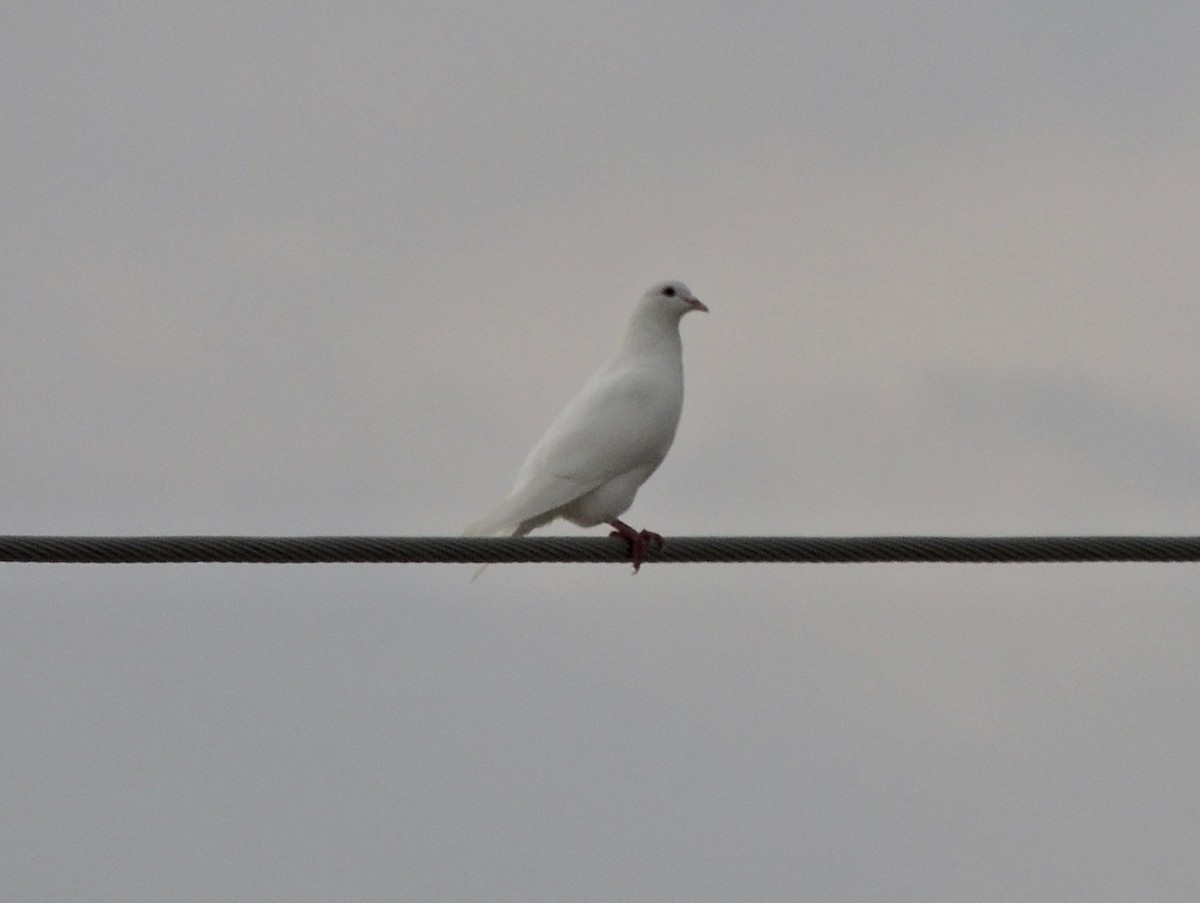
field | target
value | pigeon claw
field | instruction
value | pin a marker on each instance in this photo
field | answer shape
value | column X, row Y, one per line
column 638, row 541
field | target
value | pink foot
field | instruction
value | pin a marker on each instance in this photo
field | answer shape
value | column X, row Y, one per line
column 638, row 541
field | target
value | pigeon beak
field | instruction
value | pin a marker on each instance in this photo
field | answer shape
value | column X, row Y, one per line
column 697, row 304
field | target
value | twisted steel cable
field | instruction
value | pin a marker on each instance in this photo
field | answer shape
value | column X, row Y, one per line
column 681, row 549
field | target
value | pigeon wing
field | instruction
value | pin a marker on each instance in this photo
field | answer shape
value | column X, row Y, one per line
column 614, row 425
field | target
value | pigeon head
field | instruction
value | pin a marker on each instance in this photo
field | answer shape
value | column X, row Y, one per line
column 674, row 297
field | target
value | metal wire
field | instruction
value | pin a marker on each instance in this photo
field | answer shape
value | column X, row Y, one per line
column 681, row 549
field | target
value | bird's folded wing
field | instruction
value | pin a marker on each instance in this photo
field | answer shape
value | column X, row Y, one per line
column 607, row 430
column 536, row 498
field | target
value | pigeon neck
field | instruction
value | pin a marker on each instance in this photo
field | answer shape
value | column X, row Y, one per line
column 649, row 329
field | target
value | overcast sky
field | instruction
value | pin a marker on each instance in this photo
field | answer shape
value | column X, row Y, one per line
column 293, row 269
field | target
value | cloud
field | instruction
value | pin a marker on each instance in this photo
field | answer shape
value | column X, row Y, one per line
column 1122, row 456
column 280, row 270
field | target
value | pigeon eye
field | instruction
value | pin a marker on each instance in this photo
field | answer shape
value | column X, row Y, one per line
column 669, row 291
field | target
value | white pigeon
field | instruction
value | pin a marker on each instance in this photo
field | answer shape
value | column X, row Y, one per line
column 590, row 463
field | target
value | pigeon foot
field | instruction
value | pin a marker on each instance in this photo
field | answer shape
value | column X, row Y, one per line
column 638, row 541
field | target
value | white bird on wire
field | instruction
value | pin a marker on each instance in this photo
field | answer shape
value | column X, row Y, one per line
column 588, row 466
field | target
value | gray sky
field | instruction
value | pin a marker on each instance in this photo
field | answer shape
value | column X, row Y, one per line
column 332, row 270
